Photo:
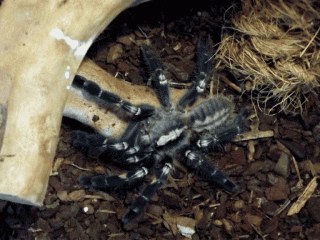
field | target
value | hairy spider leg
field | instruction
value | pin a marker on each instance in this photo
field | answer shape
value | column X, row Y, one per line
column 223, row 135
column 208, row 172
column 200, row 76
column 105, row 182
column 215, row 116
column 92, row 91
column 140, row 203
column 157, row 73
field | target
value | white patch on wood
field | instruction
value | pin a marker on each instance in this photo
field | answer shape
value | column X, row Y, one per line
column 67, row 73
column 79, row 48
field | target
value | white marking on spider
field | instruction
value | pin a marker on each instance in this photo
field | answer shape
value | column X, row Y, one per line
column 173, row 135
column 145, row 198
column 212, row 122
column 203, row 143
column 214, row 172
column 138, row 111
column 163, row 79
column 134, row 110
column 120, row 146
column 133, row 159
column 141, row 173
column 190, row 155
column 187, row 153
column 203, row 77
column 133, row 150
column 136, row 209
column 104, row 143
column 168, row 167
column 201, row 86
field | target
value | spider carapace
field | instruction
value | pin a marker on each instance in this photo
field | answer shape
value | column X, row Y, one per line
column 154, row 137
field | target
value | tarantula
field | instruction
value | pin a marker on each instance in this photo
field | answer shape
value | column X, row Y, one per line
column 154, row 136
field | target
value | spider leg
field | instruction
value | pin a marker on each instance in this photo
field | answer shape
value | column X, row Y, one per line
column 92, row 91
column 94, row 144
column 224, row 134
column 140, row 203
column 200, row 76
column 208, row 172
column 105, row 182
column 157, row 73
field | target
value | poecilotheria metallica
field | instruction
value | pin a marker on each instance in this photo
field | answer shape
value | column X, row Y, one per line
column 154, row 137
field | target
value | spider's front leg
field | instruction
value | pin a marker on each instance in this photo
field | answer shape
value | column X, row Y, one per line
column 221, row 136
column 215, row 117
column 92, row 91
column 208, row 172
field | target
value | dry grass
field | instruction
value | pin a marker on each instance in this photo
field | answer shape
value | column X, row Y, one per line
column 275, row 45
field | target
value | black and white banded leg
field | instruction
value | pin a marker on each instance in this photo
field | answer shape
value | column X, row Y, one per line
column 105, row 182
column 200, row 76
column 126, row 150
column 92, row 91
column 140, row 203
column 221, row 136
column 208, row 172
column 157, row 73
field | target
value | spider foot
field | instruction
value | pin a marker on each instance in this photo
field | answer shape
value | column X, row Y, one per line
column 89, row 144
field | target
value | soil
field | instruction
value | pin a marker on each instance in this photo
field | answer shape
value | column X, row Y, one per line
column 264, row 168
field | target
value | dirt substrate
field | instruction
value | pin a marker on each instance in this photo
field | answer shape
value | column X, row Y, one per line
column 264, row 168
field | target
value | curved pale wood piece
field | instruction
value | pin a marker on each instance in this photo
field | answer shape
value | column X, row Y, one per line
column 42, row 44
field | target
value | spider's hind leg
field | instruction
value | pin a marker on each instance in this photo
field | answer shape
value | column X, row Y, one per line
column 224, row 134
column 209, row 172
column 157, row 73
column 140, row 203
column 105, row 182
